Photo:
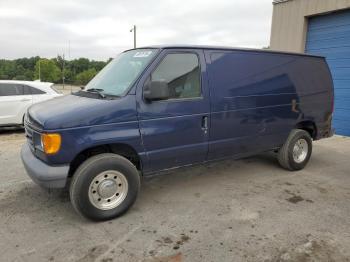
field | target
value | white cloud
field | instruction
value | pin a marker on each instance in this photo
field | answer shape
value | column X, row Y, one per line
column 10, row 12
column 100, row 29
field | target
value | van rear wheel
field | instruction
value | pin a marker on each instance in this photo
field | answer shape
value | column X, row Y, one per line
column 104, row 187
column 296, row 151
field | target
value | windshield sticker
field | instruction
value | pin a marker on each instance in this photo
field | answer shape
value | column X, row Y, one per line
column 143, row 54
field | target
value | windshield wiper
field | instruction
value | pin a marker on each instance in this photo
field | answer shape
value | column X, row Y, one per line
column 96, row 90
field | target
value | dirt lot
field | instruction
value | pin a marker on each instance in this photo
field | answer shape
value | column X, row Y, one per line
column 247, row 210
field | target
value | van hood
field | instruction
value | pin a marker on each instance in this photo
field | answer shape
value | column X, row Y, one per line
column 77, row 111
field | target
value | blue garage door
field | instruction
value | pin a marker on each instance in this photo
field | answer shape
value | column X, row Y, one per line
column 329, row 36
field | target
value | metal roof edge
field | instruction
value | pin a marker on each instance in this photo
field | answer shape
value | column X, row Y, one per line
column 225, row 48
column 275, row 2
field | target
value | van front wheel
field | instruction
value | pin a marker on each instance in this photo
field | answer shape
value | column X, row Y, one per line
column 296, row 151
column 104, row 187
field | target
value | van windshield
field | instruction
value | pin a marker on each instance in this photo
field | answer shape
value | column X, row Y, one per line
column 118, row 76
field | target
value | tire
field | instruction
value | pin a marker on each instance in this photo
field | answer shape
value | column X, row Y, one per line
column 105, row 186
column 296, row 151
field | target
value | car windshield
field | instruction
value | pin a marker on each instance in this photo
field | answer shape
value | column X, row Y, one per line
column 117, row 77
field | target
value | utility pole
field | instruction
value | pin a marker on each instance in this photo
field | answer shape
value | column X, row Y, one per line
column 134, row 30
column 39, row 70
column 68, row 49
column 63, row 71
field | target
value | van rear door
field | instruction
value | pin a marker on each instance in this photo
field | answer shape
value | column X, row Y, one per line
column 175, row 131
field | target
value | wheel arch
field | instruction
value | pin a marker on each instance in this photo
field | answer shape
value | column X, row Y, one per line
column 308, row 126
column 122, row 149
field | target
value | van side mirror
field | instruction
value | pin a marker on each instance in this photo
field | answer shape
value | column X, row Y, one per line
column 156, row 90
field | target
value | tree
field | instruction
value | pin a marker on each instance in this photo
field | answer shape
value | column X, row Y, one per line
column 80, row 65
column 84, row 77
column 68, row 75
column 98, row 65
column 49, row 71
column 28, row 69
column 7, row 69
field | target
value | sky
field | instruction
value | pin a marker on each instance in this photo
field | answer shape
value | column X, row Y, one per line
column 99, row 29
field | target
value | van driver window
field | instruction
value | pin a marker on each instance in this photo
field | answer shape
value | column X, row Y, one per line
column 182, row 74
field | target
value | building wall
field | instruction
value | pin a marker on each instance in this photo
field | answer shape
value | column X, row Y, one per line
column 290, row 18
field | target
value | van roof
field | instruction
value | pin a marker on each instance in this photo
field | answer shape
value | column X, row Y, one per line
column 227, row 48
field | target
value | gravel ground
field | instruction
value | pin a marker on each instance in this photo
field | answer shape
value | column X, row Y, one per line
column 247, row 210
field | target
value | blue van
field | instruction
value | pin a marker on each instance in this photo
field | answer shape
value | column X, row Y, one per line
column 162, row 107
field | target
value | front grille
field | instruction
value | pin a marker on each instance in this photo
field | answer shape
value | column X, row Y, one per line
column 30, row 121
column 30, row 137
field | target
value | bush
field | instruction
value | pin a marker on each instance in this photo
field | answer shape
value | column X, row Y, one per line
column 49, row 71
column 84, row 77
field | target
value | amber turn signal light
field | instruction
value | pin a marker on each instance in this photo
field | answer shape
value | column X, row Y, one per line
column 51, row 143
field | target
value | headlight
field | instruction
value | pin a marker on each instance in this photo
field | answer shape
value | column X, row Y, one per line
column 51, row 143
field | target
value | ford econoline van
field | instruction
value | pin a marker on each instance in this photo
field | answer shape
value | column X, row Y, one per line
column 163, row 107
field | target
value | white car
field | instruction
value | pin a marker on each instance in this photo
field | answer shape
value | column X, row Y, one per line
column 17, row 96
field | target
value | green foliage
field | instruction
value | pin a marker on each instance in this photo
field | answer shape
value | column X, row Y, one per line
column 75, row 71
column 84, row 77
column 81, row 64
column 47, row 71
column 7, row 69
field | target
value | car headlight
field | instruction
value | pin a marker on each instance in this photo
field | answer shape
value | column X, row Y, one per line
column 51, row 143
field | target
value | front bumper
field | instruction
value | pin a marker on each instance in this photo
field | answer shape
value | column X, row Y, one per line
column 41, row 173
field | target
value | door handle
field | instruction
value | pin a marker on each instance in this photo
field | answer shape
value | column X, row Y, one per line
column 205, row 124
column 25, row 99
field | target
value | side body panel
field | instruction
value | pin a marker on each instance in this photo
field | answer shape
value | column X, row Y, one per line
column 171, row 130
column 257, row 98
column 12, row 108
